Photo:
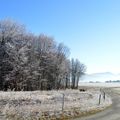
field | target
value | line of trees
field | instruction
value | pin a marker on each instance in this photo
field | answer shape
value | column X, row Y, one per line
column 35, row 62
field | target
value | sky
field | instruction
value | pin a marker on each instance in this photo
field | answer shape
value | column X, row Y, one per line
column 90, row 28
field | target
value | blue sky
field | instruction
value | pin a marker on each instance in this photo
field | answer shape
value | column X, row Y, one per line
column 90, row 28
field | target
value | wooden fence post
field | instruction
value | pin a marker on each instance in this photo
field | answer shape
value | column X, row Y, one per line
column 63, row 102
column 104, row 95
column 99, row 99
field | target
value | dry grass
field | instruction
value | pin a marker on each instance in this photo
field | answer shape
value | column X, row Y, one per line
column 116, row 90
column 34, row 105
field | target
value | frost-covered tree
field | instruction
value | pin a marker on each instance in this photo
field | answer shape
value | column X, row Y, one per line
column 10, row 36
column 77, row 70
column 34, row 62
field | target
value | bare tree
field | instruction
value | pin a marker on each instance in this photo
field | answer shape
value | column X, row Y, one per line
column 34, row 62
column 77, row 70
column 10, row 34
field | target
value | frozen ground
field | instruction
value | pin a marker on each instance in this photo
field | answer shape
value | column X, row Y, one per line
column 99, row 84
column 27, row 104
column 112, row 113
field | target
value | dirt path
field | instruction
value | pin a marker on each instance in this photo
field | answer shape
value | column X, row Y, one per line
column 112, row 113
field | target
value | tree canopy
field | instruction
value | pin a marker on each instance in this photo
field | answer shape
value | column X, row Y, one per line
column 35, row 62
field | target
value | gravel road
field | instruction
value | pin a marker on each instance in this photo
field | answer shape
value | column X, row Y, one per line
column 112, row 113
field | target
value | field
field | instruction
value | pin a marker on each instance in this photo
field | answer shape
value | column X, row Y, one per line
column 104, row 85
column 50, row 104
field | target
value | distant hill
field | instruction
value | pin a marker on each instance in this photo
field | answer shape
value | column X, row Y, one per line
column 100, row 77
column 113, row 81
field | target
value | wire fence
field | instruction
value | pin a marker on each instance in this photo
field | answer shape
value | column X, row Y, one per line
column 51, row 102
column 25, row 103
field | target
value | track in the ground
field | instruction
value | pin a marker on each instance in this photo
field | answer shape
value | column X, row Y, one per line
column 112, row 113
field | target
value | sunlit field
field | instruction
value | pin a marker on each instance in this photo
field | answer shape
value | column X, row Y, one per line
column 34, row 105
column 99, row 84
